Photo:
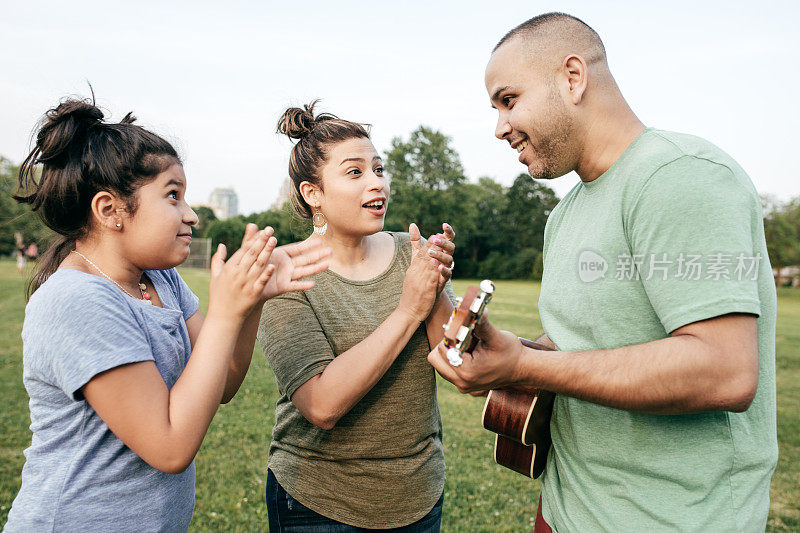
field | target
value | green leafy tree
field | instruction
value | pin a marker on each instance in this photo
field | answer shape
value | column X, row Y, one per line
column 519, row 226
column 782, row 232
column 424, row 173
column 526, row 211
column 428, row 187
column 205, row 216
column 288, row 226
column 16, row 218
column 538, row 267
column 229, row 232
column 510, row 235
column 477, row 215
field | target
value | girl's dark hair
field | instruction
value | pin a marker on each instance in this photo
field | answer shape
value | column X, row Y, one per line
column 80, row 155
column 309, row 155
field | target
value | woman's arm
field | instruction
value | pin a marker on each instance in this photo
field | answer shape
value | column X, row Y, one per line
column 165, row 427
column 328, row 396
column 442, row 310
column 442, row 250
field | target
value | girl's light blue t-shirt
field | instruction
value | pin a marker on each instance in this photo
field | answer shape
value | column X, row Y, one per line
column 78, row 476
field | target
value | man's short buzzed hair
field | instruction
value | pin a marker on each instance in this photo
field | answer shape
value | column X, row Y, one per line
column 562, row 23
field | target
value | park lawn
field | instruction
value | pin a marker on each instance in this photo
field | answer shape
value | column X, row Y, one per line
column 479, row 495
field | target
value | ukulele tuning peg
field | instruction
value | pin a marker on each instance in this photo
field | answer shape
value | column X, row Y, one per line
column 487, row 286
column 477, row 303
column 454, row 357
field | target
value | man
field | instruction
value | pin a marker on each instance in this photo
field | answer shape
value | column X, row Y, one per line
column 657, row 292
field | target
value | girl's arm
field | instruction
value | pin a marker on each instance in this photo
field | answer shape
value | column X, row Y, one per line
column 242, row 353
column 165, row 427
column 328, row 396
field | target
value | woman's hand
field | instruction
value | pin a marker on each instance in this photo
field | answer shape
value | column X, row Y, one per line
column 421, row 280
column 238, row 284
column 442, row 250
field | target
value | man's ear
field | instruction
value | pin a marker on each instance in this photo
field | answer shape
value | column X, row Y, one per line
column 105, row 210
column 311, row 193
column 576, row 76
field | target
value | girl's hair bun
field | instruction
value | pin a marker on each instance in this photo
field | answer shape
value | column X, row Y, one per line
column 79, row 110
column 298, row 123
column 64, row 125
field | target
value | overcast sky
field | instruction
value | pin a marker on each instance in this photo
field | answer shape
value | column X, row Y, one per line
column 213, row 77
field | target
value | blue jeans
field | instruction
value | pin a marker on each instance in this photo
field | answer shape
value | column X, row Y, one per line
column 287, row 515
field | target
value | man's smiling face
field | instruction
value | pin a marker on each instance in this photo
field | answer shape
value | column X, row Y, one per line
column 532, row 117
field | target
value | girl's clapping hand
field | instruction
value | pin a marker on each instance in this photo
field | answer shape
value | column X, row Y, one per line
column 294, row 264
column 238, row 284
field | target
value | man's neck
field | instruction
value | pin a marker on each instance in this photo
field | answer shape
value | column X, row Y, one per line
column 606, row 139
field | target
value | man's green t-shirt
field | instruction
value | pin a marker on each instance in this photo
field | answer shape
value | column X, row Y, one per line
column 671, row 234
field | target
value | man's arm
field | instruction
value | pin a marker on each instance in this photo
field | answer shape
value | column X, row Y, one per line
column 704, row 366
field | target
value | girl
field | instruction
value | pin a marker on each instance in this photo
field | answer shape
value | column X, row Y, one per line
column 118, row 406
column 357, row 441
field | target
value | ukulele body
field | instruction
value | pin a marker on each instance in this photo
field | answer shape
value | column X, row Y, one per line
column 519, row 416
column 521, row 419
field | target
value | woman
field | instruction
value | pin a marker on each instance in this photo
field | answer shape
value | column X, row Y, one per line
column 357, row 438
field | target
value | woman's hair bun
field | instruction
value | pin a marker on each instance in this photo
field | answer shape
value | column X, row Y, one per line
column 296, row 122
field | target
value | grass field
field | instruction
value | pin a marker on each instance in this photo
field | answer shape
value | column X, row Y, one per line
column 479, row 495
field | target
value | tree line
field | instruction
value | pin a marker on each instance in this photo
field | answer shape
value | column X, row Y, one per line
column 782, row 231
column 499, row 229
column 16, row 219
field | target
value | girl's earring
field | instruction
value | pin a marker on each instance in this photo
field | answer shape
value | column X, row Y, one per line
column 320, row 223
column 119, row 225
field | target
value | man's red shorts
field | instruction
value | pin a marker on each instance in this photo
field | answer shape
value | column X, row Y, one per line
column 540, row 526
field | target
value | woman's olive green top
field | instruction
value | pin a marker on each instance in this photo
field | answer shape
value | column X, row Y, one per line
column 382, row 465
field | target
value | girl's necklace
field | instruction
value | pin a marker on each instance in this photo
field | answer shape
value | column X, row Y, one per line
column 142, row 287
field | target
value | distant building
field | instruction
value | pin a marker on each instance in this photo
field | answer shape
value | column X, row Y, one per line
column 224, row 202
column 283, row 194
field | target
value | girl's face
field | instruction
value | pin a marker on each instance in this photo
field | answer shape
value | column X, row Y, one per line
column 355, row 192
column 158, row 234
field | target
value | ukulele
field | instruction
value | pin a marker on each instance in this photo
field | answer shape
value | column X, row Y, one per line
column 519, row 416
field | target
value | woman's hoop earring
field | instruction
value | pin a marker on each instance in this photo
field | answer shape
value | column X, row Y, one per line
column 320, row 223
